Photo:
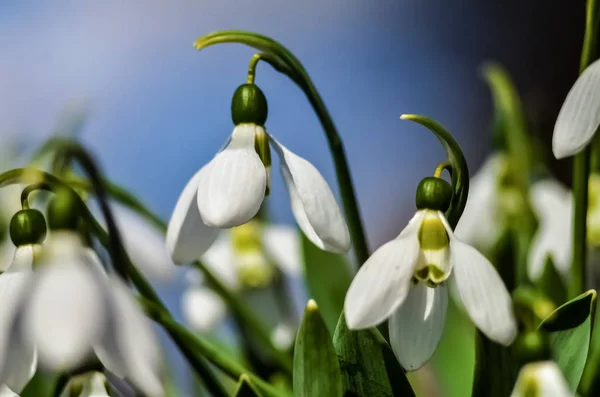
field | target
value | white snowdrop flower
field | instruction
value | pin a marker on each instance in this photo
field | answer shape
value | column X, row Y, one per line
column 242, row 258
column 6, row 392
column 552, row 204
column 92, row 384
column 405, row 281
column 479, row 222
column 145, row 244
column 72, row 310
column 541, row 379
column 231, row 188
column 579, row 116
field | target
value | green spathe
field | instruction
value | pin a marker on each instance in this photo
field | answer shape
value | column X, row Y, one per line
column 249, row 105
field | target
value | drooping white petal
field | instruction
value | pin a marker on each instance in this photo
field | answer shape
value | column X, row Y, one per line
column 313, row 204
column 188, row 237
column 552, row 204
column 478, row 224
column 129, row 347
column 18, row 359
column 202, row 309
column 541, row 379
column 232, row 186
column 416, row 327
column 579, row 116
column 482, row 292
column 65, row 313
column 383, row 282
column 282, row 244
column 220, row 259
column 144, row 244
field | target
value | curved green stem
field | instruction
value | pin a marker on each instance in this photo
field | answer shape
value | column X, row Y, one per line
column 285, row 62
column 201, row 348
column 460, row 172
column 31, row 188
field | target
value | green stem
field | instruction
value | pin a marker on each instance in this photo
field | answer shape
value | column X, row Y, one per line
column 242, row 312
column 581, row 167
column 581, row 170
column 31, row 188
column 285, row 62
column 201, row 348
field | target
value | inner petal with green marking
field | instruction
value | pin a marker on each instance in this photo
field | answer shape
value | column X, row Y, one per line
column 434, row 259
column 253, row 267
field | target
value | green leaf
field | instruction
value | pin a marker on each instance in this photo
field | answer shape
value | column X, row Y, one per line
column 327, row 278
column 570, row 328
column 366, row 371
column 496, row 369
column 245, row 388
column 316, row 368
column 551, row 283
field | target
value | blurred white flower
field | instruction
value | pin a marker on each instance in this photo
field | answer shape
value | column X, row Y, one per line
column 579, row 116
column 230, row 189
column 72, row 309
column 242, row 258
column 6, row 392
column 541, row 379
column 489, row 207
column 145, row 245
column 405, row 280
column 91, row 384
column 552, row 204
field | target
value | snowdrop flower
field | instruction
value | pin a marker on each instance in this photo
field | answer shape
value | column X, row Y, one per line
column 243, row 258
column 230, row 189
column 541, row 379
column 579, row 116
column 72, row 310
column 479, row 223
column 91, row 384
column 552, row 204
column 405, row 281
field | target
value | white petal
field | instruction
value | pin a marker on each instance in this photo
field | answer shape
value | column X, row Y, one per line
column 282, row 244
column 283, row 336
column 545, row 378
column 220, row 259
column 6, row 392
column 232, row 186
column 552, row 203
column 416, row 327
column 482, row 292
column 478, row 224
column 188, row 237
column 66, row 311
column 19, row 360
column 129, row 347
column 202, row 309
column 145, row 244
column 313, row 204
column 383, row 282
column 579, row 116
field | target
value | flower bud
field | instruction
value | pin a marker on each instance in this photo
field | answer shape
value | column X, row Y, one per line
column 531, row 346
column 27, row 227
column 434, row 194
column 249, row 105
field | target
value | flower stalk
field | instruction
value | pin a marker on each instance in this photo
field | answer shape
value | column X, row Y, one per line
column 581, row 167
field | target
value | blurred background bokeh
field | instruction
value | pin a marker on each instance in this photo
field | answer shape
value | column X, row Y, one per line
column 157, row 109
